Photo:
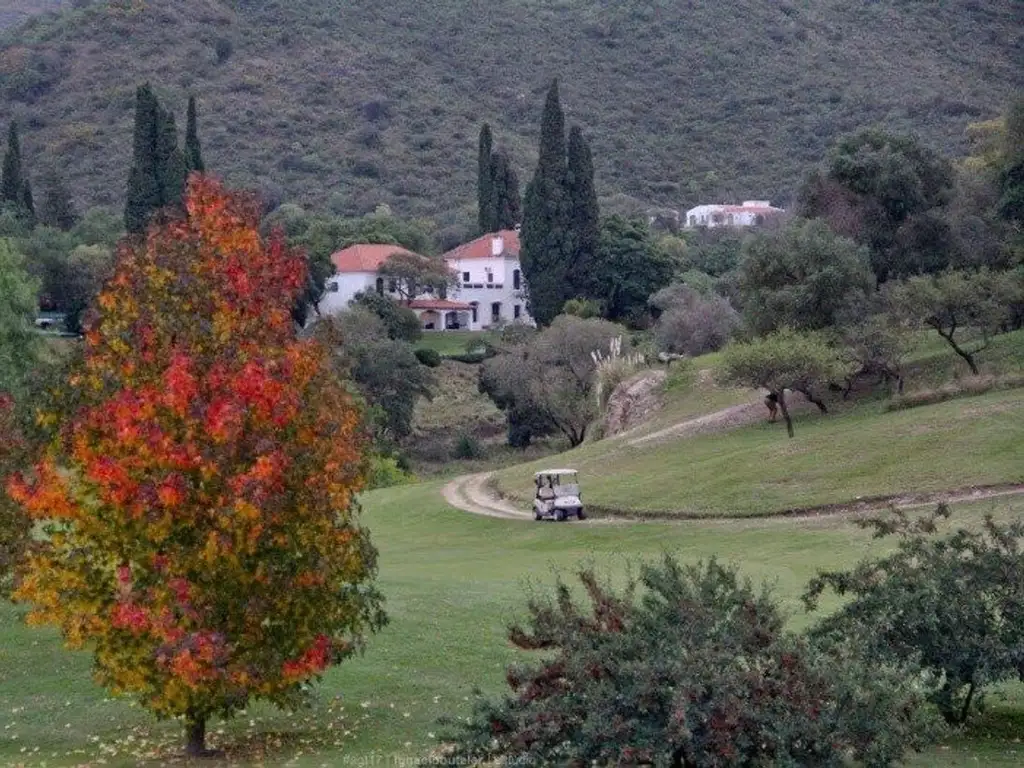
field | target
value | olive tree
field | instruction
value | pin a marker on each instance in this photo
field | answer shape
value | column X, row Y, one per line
column 549, row 381
column 965, row 308
column 954, row 604
column 786, row 359
column 801, row 277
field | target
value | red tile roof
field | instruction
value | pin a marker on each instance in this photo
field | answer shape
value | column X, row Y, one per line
column 481, row 247
column 365, row 257
column 764, row 209
column 437, row 304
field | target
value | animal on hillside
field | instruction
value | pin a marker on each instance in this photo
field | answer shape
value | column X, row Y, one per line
column 772, row 404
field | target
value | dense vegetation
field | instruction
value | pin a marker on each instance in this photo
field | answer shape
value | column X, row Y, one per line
column 347, row 105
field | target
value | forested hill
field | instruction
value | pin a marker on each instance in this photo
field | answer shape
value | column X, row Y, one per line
column 349, row 103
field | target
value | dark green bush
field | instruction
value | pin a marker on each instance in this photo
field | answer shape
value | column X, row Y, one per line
column 467, row 447
column 429, row 357
column 689, row 666
column 953, row 604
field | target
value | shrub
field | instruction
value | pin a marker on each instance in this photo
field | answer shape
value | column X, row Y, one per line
column 952, row 604
column 429, row 357
column 688, row 666
column 692, row 324
column 223, row 48
column 385, row 472
column 467, row 447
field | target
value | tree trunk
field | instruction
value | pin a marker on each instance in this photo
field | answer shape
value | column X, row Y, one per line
column 966, row 711
column 812, row 399
column 785, row 411
column 968, row 357
column 195, row 734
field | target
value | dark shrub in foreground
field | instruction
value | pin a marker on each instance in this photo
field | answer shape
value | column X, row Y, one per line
column 689, row 667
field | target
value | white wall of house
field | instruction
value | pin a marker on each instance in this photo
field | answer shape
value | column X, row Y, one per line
column 491, row 285
column 749, row 214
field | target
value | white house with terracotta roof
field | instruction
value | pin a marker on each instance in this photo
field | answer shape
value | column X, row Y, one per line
column 490, row 288
column 750, row 214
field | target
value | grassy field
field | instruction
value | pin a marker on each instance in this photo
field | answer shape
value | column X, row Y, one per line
column 451, row 342
column 835, row 458
column 453, row 581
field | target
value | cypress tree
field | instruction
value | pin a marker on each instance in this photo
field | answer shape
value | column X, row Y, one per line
column 585, row 214
column 193, row 149
column 57, row 210
column 171, row 164
column 11, row 182
column 507, row 206
column 27, row 204
column 546, row 236
column 144, row 188
column 485, row 182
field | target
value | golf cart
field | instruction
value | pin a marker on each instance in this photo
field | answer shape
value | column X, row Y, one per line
column 558, row 495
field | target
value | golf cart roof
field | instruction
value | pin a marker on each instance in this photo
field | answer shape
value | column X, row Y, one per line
column 555, row 472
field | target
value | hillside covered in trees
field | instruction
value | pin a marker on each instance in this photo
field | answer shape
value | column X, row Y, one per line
column 347, row 104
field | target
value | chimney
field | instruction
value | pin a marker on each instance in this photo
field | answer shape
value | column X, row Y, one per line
column 497, row 245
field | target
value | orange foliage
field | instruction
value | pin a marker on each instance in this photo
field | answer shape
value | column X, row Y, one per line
column 209, row 550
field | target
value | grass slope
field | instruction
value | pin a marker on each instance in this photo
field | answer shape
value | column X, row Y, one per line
column 453, row 581
column 349, row 103
column 857, row 451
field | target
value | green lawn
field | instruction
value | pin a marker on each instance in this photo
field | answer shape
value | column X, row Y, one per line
column 452, row 581
column 756, row 470
column 450, row 342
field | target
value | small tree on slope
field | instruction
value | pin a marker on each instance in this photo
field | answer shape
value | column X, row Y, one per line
column 801, row 362
column 204, row 541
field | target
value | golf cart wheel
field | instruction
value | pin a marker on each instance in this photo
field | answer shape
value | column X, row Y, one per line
column 537, row 515
column 580, row 514
column 560, row 515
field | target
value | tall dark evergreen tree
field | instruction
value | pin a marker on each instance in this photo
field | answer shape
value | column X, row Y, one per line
column 193, row 148
column 144, row 188
column 11, row 182
column 507, row 207
column 27, row 204
column 57, row 210
column 584, row 215
column 172, row 167
column 546, row 237
column 159, row 166
column 485, row 182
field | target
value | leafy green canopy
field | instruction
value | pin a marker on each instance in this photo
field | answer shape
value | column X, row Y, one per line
column 954, row 604
column 801, row 277
column 688, row 667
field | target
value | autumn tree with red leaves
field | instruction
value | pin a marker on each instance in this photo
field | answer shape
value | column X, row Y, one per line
column 203, row 536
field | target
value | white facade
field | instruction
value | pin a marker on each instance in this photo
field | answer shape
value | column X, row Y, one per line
column 490, row 289
column 751, row 213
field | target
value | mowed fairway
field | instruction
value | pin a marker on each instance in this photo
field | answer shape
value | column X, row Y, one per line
column 835, row 458
column 453, row 581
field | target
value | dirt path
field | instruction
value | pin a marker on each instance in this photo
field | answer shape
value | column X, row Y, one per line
column 720, row 421
column 471, row 493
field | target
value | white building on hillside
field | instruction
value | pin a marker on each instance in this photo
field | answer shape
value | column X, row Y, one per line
column 490, row 288
column 750, row 214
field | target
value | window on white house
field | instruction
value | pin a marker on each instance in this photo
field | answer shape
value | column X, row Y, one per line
column 516, row 279
column 473, row 306
column 465, row 277
column 515, row 311
column 490, row 277
column 380, row 285
column 332, row 287
column 495, row 311
column 392, row 286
